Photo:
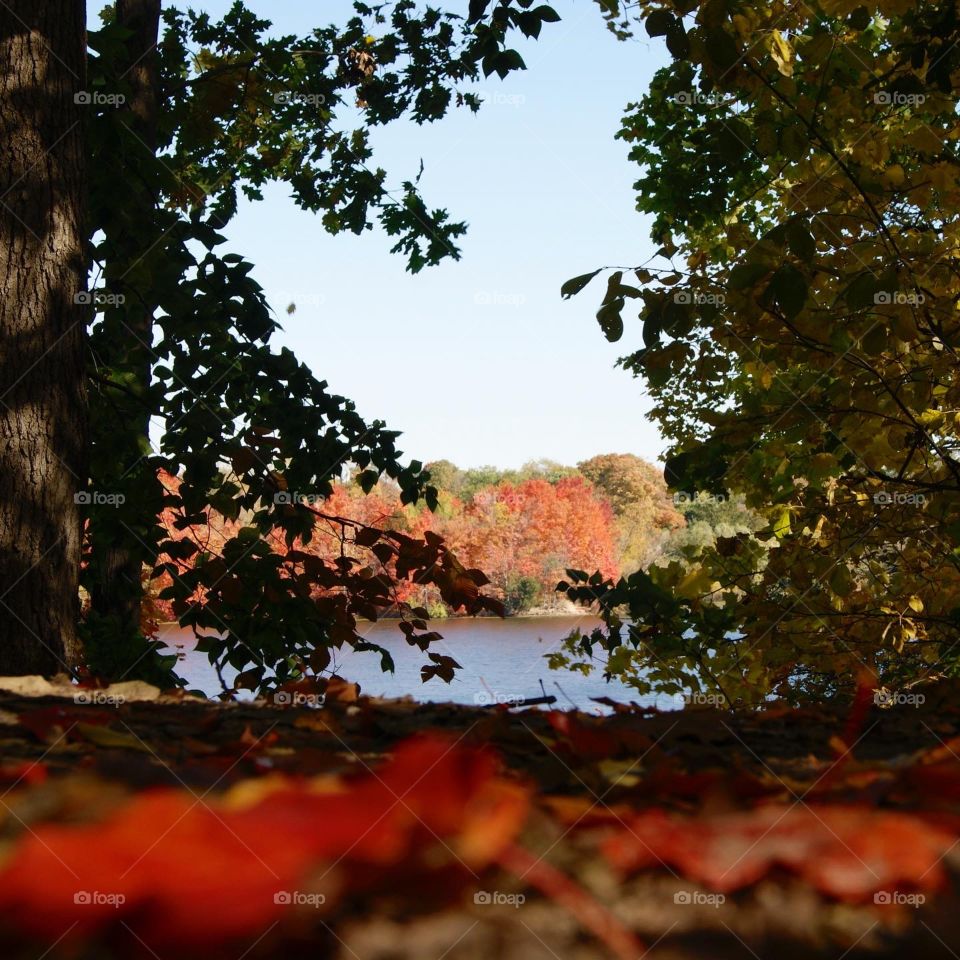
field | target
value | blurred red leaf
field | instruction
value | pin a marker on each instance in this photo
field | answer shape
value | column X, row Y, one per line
column 29, row 773
column 595, row 741
column 51, row 723
column 845, row 852
column 179, row 869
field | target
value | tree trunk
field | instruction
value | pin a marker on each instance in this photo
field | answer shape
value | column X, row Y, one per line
column 118, row 551
column 42, row 332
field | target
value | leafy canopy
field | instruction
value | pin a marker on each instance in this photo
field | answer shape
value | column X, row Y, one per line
column 799, row 336
column 249, row 432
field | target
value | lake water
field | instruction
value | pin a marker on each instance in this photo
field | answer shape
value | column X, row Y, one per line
column 503, row 661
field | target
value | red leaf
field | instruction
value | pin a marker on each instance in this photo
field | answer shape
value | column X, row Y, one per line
column 182, row 870
column 28, row 773
column 845, row 852
column 48, row 724
column 584, row 742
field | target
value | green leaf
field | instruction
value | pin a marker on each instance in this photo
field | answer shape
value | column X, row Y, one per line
column 506, row 62
column 861, row 291
column 613, row 286
column 611, row 323
column 800, row 240
column 677, row 41
column 745, row 275
column 573, row 286
column 794, row 141
column 734, row 140
column 659, row 23
column 546, row 14
column 860, row 19
column 721, row 48
column 476, row 10
column 788, row 287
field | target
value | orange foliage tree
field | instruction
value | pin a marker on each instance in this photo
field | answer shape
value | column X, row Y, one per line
column 526, row 535
column 523, row 535
column 344, row 570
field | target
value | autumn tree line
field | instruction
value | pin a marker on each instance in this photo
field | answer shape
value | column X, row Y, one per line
column 524, row 528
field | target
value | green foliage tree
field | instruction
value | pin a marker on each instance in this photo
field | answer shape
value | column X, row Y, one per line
column 186, row 113
column 467, row 483
column 446, row 476
column 800, row 332
column 708, row 518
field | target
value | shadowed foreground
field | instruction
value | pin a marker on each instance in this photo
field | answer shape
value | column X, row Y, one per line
column 174, row 827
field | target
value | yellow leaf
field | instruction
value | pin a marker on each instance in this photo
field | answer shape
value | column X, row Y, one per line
column 105, row 737
column 942, row 175
column 926, row 141
column 782, row 527
column 782, row 53
column 620, row 773
column 931, row 417
column 696, row 583
column 894, row 175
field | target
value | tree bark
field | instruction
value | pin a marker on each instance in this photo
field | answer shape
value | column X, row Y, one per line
column 42, row 332
column 117, row 591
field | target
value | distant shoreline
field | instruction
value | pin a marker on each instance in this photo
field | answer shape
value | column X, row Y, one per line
column 537, row 613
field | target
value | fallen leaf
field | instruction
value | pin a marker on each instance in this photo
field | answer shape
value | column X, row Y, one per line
column 845, row 852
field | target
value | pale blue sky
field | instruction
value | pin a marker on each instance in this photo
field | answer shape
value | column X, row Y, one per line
column 480, row 361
